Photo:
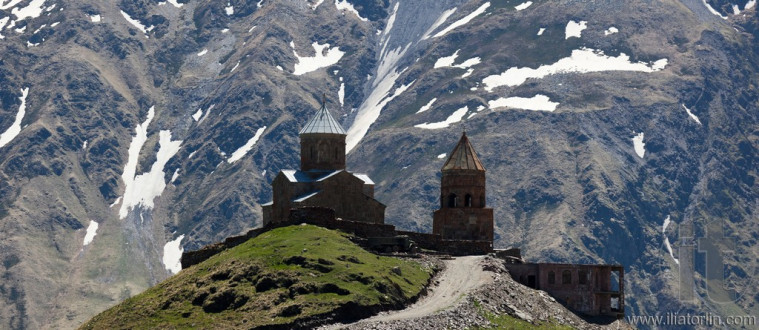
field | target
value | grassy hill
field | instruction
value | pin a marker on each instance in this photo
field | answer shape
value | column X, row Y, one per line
column 289, row 277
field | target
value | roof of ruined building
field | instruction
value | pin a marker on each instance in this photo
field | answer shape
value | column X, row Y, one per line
column 463, row 157
column 323, row 123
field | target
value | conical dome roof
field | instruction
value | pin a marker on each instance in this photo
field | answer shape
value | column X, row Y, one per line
column 463, row 157
column 323, row 123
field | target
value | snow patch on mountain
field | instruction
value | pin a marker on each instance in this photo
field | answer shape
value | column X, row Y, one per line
column 240, row 152
column 319, row 60
column 611, row 30
column 235, row 67
column 317, row 4
column 427, row 106
column 172, row 255
column 95, row 18
column 479, row 11
column 582, row 60
column 750, row 4
column 175, row 3
column 387, row 74
column 666, row 240
column 455, row 117
column 136, row 23
column 206, row 115
column 4, row 6
column 203, row 52
column 712, row 10
column 229, row 9
column 33, row 10
column 371, row 108
column 144, row 188
column 639, row 145
column 523, row 6
column 540, row 32
column 139, row 139
column 91, row 232
column 341, row 93
column 116, row 202
column 15, row 128
column 444, row 16
column 345, row 5
column 694, row 117
column 197, row 114
column 441, row 156
column 447, row 61
column 538, row 102
column 574, row 29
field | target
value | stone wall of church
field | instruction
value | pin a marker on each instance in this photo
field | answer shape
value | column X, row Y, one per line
column 464, row 223
column 462, row 189
column 345, row 194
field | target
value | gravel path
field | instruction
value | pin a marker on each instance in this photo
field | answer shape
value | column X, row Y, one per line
column 465, row 291
column 461, row 276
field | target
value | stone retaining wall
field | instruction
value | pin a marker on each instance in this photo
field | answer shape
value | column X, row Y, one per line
column 325, row 217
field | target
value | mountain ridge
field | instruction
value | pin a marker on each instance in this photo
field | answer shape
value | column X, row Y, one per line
column 567, row 184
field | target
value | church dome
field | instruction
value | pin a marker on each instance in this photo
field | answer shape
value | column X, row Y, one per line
column 323, row 123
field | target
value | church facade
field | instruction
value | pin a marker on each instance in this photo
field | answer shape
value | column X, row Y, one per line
column 463, row 214
column 322, row 180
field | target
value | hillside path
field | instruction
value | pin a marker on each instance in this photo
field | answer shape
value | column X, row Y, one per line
column 461, row 276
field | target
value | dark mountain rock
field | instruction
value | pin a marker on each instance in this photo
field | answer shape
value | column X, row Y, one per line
column 566, row 186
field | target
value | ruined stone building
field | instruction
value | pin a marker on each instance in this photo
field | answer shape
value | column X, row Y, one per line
column 322, row 180
column 463, row 214
column 595, row 290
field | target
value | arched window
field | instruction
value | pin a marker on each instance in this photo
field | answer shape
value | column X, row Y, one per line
column 468, row 200
column 551, row 277
column 566, row 277
column 452, row 200
column 583, row 276
column 323, row 152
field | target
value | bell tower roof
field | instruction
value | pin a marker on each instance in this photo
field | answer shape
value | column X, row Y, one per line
column 323, row 123
column 463, row 157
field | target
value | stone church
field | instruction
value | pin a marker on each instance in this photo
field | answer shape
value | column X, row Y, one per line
column 462, row 214
column 322, row 180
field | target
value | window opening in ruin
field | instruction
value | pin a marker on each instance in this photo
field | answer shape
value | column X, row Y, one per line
column 468, row 200
column 614, row 304
column 551, row 277
column 313, row 152
column 531, row 281
column 566, row 277
column 452, row 200
column 583, row 276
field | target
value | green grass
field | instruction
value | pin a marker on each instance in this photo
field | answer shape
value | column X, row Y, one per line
column 506, row 321
column 280, row 277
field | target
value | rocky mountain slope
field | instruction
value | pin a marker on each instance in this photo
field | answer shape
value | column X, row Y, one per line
column 612, row 132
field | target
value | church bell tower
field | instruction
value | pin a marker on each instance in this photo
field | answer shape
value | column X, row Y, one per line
column 463, row 213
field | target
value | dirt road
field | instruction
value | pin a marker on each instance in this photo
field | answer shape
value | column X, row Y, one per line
column 461, row 276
